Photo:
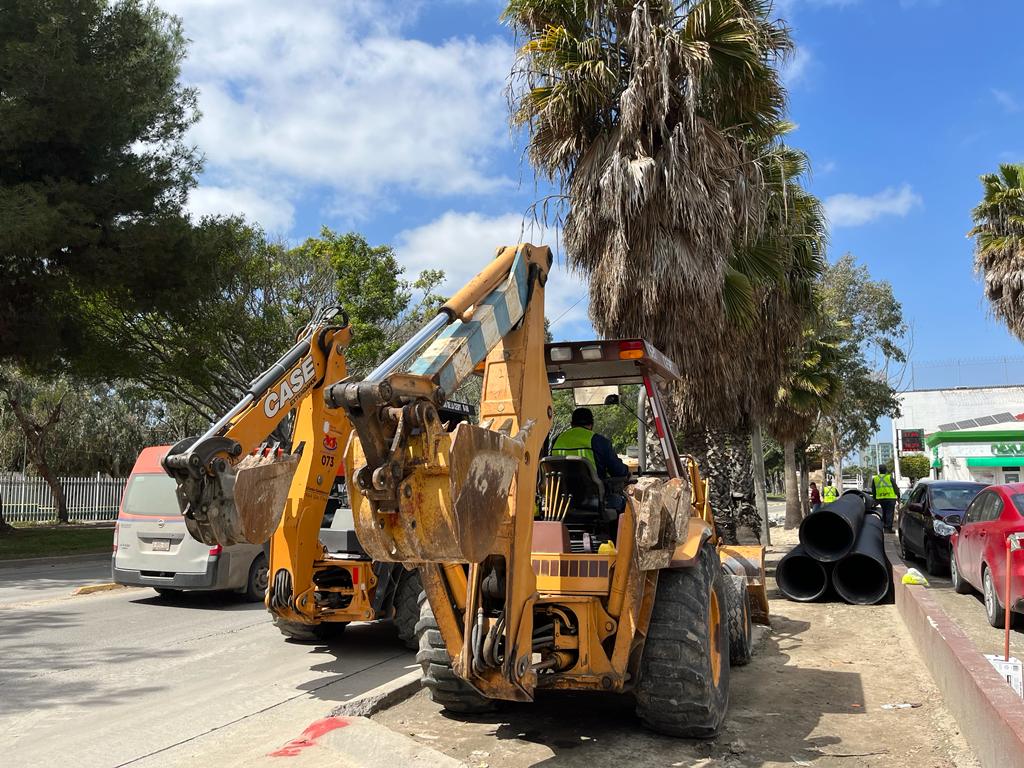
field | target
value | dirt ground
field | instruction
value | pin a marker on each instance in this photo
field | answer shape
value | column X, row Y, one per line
column 812, row 696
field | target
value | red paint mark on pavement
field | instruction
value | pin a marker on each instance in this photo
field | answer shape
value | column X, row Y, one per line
column 309, row 736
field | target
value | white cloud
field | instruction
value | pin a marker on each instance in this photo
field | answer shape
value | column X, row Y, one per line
column 462, row 243
column 331, row 96
column 1006, row 100
column 850, row 210
column 274, row 215
column 796, row 66
column 826, row 167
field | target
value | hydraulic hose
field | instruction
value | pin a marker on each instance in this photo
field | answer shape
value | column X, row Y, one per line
column 800, row 577
column 830, row 533
column 864, row 575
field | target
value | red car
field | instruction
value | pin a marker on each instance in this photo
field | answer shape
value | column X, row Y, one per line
column 978, row 558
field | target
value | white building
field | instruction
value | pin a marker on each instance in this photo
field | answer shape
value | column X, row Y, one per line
column 970, row 432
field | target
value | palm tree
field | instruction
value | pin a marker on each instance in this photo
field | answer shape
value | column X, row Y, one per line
column 812, row 386
column 999, row 244
column 660, row 121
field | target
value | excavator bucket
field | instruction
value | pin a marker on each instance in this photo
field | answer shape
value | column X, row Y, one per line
column 748, row 561
column 483, row 463
column 248, row 505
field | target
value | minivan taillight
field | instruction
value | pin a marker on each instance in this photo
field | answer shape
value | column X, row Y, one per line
column 214, row 551
column 117, row 527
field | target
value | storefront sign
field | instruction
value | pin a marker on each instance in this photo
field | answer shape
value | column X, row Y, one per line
column 911, row 440
column 1008, row 449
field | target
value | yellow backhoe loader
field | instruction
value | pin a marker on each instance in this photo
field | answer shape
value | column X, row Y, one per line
column 233, row 487
column 533, row 578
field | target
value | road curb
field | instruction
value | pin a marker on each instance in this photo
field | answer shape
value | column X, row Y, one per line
column 382, row 697
column 89, row 589
column 989, row 713
column 58, row 560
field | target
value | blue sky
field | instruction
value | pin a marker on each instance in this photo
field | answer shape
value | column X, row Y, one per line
column 390, row 118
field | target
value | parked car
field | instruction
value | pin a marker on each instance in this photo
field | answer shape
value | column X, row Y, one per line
column 979, row 549
column 934, row 511
column 152, row 547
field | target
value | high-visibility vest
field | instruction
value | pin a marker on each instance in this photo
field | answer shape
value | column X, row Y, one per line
column 829, row 494
column 575, row 441
column 883, row 486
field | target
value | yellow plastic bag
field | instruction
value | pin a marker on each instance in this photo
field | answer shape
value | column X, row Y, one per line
column 914, row 576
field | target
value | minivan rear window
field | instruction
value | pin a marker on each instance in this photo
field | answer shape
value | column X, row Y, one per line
column 151, row 494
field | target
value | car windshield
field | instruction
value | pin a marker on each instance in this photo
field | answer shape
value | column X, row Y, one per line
column 151, row 494
column 954, row 496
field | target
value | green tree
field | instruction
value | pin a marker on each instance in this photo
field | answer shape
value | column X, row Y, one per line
column 915, row 466
column 94, row 170
column 266, row 294
column 999, row 244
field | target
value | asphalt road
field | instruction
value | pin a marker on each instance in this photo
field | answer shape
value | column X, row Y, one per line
column 43, row 581
column 126, row 677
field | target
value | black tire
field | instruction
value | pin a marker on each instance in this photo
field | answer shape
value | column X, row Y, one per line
column 259, row 574
column 683, row 685
column 407, row 608
column 905, row 552
column 309, row 633
column 931, row 559
column 741, row 631
column 960, row 584
column 993, row 610
column 446, row 688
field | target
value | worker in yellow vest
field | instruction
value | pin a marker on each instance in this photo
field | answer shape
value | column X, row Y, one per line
column 885, row 491
column 829, row 492
column 581, row 440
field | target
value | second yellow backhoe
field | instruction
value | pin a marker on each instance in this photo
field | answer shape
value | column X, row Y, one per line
column 313, row 590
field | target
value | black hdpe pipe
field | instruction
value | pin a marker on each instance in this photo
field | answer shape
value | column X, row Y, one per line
column 863, row 576
column 800, row 577
column 829, row 534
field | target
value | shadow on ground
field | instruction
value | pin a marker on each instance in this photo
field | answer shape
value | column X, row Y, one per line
column 763, row 726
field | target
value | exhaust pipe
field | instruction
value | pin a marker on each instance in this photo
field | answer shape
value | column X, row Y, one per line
column 830, row 533
column 800, row 577
column 863, row 576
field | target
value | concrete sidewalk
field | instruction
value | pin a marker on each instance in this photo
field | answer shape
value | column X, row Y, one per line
column 49, row 578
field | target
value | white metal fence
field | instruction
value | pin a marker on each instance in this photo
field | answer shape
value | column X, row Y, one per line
column 29, row 499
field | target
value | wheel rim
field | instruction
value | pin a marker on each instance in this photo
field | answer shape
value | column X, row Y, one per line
column 954, row 577
column 262, row 578
column 990, row 598
column 714, row 636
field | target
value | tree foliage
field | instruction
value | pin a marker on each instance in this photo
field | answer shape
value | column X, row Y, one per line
column 915, row 466
column 94, row 170
column 999, row 244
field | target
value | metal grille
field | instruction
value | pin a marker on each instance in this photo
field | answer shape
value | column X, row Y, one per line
column 89, row 499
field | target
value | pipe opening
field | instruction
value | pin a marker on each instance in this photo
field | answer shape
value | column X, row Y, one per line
column 801, row 578
column 860, row 579
column 826, row 536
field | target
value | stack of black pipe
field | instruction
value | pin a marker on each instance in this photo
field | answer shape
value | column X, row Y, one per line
column 840, row 544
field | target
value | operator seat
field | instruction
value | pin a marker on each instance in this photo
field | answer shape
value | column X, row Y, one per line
column 578, row 477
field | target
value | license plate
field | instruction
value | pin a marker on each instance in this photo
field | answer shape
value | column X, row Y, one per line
column 161, row 545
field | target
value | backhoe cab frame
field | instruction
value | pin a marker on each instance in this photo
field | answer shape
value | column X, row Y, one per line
column 512, row 605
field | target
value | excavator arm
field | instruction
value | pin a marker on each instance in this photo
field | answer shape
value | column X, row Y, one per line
column 232, row 486
column 422, row 495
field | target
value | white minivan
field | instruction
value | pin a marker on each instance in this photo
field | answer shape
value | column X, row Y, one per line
column 152, row 547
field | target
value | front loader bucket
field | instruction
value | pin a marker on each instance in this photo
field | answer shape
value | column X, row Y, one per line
column 748, row 561
column 482, row 466
column 248, row 505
